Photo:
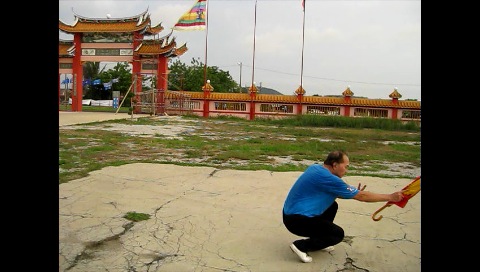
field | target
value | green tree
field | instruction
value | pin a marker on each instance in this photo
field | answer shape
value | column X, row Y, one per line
column 123, row 73
column 120, row 71
column 191, row 78
column 181, row 77
column 92, row 71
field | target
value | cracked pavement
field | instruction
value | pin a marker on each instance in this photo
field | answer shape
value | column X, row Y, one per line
column 206, row 219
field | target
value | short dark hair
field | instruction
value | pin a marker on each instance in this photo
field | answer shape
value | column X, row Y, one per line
column 335, row 156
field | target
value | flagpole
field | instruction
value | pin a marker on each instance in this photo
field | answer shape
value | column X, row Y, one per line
column 303, row 44
column 206, row 45
column 254, row 30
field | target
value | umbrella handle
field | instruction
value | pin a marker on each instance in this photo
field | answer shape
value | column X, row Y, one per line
column 379, row 210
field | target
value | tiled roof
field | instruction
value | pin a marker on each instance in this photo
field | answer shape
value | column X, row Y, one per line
column 300, row 90
column 208, row 86
column 102, row 26
column 147, row 47
column 395, row 94
column 253, row 88
column 162, row 46
column 319, row 100
column 140, row 23
column 64, row 47
column 347, row 92
column 385, row 103
column 180, row 50
column 154, row 48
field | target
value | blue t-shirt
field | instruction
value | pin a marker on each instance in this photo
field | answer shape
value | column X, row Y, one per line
column 315, row 190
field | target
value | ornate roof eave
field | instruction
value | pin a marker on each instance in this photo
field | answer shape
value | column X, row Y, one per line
column 139, row 17
column 253, row 88
column 155, row 29
column 347, row 92
column 63, row 26
column 149, row 30
column 66, row 48
column 166, row 37
column 156, row 47
column 395, row 94
column 140, row 23
column 300, row 90
column 162, row 40
column 155, row 51
column 170, row 44
column 208, row 87
column 87, row 27
column 166, row 53
column 61, row 41
column 71, row 51
column 179, row 51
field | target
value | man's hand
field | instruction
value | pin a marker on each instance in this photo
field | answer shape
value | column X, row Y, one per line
column 397, row 196
column 360, row 185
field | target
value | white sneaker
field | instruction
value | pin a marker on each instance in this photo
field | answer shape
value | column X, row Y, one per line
column 329, row 248
column 302, row 255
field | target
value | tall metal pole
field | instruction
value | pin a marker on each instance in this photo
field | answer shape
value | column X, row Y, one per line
column 240, row 63
column 303, row 45
column 253, row 59
column 206, row 44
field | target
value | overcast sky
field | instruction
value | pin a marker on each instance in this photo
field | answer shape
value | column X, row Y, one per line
column 371, row 46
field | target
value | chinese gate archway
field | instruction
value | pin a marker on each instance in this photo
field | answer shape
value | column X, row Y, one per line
column 117, row 40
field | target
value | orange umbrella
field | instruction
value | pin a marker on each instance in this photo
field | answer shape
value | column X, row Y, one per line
column 408, row 192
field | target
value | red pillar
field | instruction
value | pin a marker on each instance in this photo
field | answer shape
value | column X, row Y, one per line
column 58, row 80
column 162, row 72
column 136, row 68
column 160, row 100
column 207, row 89
column 162, row 83
column 300, row 91
column 347, row 111
column 395, row 110
column 77, row 71
column 206, row 107
column 299, row 105
column 253, row 93
column 252, row 105
column 348, row 99
column 137, row 89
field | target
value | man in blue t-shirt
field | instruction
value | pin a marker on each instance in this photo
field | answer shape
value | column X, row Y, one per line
column 310, row 206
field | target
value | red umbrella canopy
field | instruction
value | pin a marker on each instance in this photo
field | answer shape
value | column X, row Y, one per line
column 409, row 191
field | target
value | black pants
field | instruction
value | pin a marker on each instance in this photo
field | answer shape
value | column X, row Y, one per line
column 320, row 230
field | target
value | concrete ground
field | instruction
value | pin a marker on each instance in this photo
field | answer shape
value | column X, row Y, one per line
column 72, row 118
column 207, row 219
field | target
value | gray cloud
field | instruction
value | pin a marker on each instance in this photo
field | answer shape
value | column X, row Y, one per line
column 373, row 46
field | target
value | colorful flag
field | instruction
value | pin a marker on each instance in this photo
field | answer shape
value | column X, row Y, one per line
column 67, row 80
column 107, row 85
column 194, row 19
